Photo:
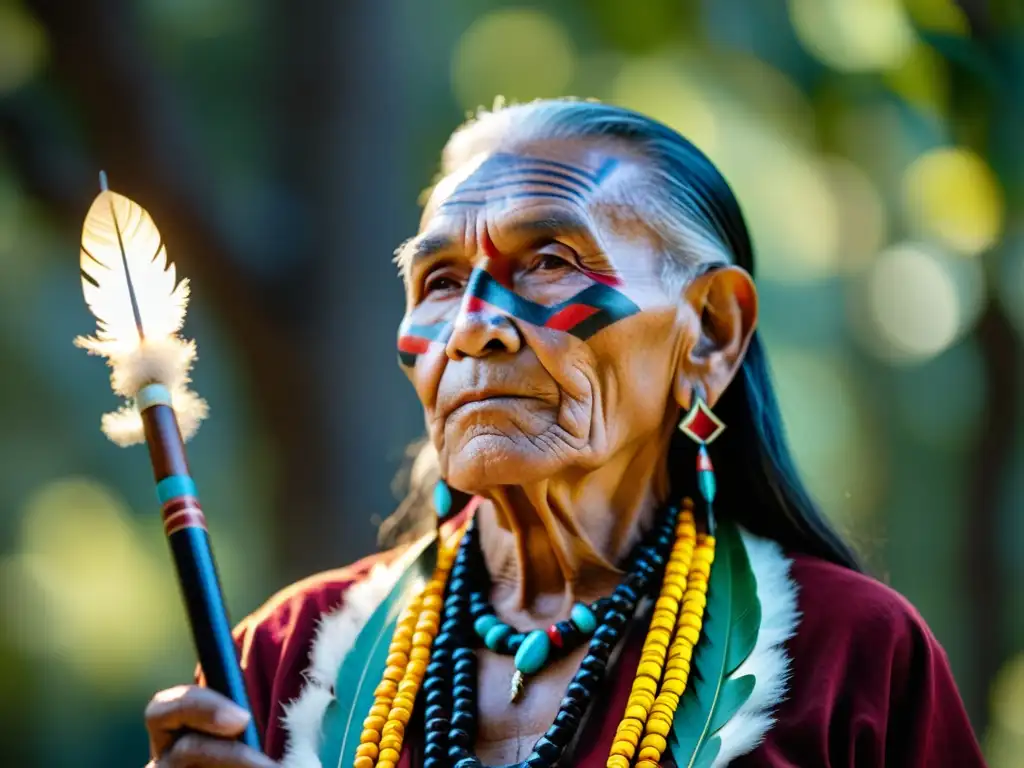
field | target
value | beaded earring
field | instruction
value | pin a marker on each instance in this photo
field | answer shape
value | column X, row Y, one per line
column 702, row 426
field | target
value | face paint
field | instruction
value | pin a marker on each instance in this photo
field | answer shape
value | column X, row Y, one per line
column 414, row 340
column 582, row 315
column 549, row 178
column 503, row 176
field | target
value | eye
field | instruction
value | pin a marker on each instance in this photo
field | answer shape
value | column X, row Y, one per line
column 440, row 283
column 552, row 261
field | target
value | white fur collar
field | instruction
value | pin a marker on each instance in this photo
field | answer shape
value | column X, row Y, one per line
column 768, row 661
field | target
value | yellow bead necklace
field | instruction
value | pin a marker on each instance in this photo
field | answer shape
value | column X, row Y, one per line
column 661, row 677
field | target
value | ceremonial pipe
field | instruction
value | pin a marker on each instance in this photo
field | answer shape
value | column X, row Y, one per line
column 139, row 304
column 185, row 528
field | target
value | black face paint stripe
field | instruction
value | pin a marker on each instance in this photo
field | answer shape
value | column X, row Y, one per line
column 598, row 305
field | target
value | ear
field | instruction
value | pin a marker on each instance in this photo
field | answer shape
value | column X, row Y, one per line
column 719, row 315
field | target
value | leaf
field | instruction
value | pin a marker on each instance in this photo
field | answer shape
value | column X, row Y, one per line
column 732, row 619
column 364, row 664
column 128, row 283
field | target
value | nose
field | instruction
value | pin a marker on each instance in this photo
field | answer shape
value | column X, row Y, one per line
column 480, row 330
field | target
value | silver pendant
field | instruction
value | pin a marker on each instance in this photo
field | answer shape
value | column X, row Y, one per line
column 516, row 687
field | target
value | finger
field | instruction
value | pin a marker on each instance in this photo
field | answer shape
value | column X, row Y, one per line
column 194, row 708
column 196, row 751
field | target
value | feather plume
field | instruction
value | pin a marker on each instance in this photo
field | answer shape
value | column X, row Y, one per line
column 139, row 304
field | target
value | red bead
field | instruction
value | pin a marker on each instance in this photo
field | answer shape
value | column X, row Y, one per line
column 704, row 461
column 555, row 636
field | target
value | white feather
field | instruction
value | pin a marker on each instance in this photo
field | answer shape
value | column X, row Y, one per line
column 139, row 304
column 768, row 661
column 335, row 636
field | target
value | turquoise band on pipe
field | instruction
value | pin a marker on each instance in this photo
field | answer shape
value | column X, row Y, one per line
column 173, row 486
column 152, row 394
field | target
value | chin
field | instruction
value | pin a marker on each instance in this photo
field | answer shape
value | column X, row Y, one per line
column 488, row 459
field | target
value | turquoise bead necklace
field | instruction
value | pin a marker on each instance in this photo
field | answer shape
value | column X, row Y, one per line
column 534, row 650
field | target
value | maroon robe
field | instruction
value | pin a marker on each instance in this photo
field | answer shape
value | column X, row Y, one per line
column 870, row 684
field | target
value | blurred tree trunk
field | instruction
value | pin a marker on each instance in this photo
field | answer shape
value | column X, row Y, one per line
column 341, row 133
column 973, row 111
column 323, row 382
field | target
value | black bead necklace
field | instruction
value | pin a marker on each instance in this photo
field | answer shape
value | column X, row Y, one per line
column 450, row 681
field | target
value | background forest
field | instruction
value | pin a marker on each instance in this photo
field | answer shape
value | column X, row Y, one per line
column 876, row 147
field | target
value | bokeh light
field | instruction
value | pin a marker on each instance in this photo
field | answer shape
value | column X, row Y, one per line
column 938, row 16
column 829, row 432
column 916, row 302
column 85, row 588
column 952, row 195
column 862, row 218
column 659, row 87
column 853, row 36
column 940, row 402
column 516, row 53
column 1005, row 740
column 1010, row 282
column 22, row 46
column 788, row 201
column 921, row 79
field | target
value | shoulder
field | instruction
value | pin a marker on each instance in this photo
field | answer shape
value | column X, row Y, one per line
column 861, row 638
column 300, row 607
column 839, row 603
column 280, row 644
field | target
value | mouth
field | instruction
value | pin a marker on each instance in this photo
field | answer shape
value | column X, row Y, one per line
column 472, row 400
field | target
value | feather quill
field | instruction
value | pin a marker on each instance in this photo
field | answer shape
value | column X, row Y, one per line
column 139, row 305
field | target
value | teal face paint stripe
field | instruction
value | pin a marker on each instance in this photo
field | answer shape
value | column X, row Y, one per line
column 173, row 486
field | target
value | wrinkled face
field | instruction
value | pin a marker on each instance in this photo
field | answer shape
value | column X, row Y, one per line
column 538, row 333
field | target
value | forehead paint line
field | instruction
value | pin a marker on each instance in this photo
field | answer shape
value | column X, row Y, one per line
column 505, row 170
column 514, row 196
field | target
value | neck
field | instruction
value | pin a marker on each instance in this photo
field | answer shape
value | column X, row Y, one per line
column 558, row 541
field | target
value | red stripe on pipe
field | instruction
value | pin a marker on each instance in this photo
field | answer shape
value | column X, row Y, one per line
column 184, row 518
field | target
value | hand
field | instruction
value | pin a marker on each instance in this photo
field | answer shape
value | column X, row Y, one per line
column 196, row 727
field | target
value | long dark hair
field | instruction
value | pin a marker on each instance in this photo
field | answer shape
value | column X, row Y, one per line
column 759, row 486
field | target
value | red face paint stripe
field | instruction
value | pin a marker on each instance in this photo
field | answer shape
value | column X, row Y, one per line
column 499, row 267
column 490, row 249
column 474, row 304
column 413, row 345
column 570, row 317
column 612, row 281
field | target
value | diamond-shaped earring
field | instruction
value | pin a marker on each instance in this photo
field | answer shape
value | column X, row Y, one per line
column 702, row 426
